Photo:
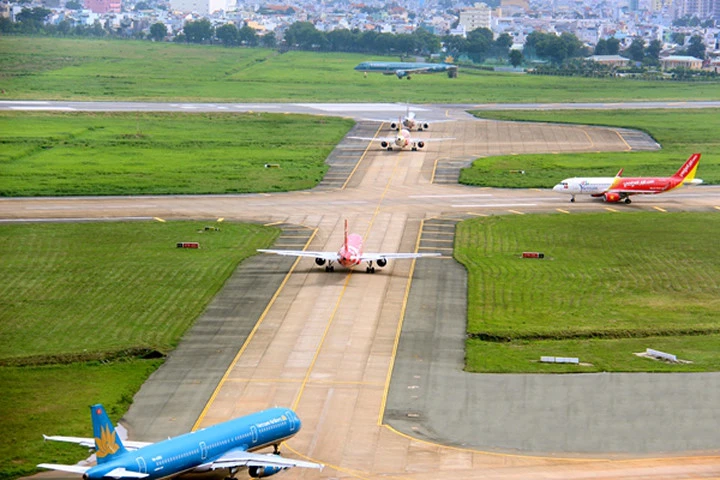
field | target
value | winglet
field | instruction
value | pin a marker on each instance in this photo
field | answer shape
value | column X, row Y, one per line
column 620, row 172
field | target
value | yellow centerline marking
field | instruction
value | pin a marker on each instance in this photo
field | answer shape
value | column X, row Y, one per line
column 610, row 209
column 398, row 331
column 321, row 343
column 660, row 209
column 562, row 211
column 516, row 212
column 249, row 338
column 362, row 157
column 623, row 139
column 716, row 207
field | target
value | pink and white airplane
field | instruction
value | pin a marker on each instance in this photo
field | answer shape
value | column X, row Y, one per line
column 350, row 254
column 618, row 189
column 402, row 140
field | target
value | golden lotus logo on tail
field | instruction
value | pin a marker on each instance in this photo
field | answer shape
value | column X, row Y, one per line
column 106, row 444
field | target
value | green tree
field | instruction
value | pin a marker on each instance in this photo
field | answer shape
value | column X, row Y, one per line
column 479, row 42
column 516, row 58
column 227, row 34
column 158, row 31
column 601, row 47
column 74, row 5
column 636, row 50
column 305, row 36
column 247, row 36
column 199, row 31
column 696, row 47
column 31, row 20
column 652, row 52
column 613, row 46
column 677, row 37
column 425, row 41
column 268, row 40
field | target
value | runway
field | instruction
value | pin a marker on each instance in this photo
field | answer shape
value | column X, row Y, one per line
column 327, row 343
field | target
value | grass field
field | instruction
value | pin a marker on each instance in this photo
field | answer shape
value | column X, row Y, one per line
column 679, row 132
column 152, row 153
column 54, row 399
column 610, row 285
column 79, row 301
column 83, row 69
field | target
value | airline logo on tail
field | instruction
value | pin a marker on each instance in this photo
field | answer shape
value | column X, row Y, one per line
column 107, row 443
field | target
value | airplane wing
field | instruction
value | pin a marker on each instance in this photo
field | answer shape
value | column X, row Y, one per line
column 392, row 139
column 123, row 473
column 242, row 458
column 332, row 256
column 65, row 468
column 90, row 442
column 367, row 257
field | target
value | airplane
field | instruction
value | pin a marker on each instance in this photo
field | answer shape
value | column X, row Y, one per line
column 618, row 189
column 350, row 254
column 401, row 140
column 227, row 445
column 406, row 69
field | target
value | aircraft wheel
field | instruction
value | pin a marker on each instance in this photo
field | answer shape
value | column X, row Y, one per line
column 628, row 201
column 572, row 200
column 414, row 149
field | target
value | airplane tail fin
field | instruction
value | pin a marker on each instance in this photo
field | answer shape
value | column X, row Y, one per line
column 345, row 239
column 108, row 445
column 689, row 168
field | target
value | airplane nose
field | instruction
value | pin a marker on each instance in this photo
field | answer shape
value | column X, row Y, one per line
column 558, row 188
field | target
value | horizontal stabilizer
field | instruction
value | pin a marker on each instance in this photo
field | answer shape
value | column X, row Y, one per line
column 65, row 468
column 90, row 442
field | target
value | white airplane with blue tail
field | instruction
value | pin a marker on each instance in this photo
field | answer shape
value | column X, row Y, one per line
column 228, row 445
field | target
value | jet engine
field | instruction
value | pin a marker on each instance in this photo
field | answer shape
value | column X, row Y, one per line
column 266, row 471
column 381, row 262
column 320, row 261
column 421, row 144
column 384, row 144
column 401, row 73
column 611, row 197
column 394, row 126
column 425, row 126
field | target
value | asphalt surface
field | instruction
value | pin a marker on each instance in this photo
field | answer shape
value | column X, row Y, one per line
column 328, row 342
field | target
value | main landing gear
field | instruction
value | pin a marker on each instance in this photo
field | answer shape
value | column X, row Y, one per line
column 572, row 199
column 231, row 473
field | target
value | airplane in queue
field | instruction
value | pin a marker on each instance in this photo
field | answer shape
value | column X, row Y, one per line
column 407, row 69
column 402, row 140
column 619, row 189
column 228, row 445
column 350, row 254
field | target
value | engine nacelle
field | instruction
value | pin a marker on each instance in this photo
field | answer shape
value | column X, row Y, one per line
column 401, row 73
column 260, row 472
column 394, row 126
column 425, row 126
column 611, row 197
column 384, row 144
column 421, row 144
column 381, row 262
column 320, row 261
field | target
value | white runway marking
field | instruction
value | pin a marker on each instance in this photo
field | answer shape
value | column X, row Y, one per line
column 64, row 109
column 359, row 107
column 465, row 195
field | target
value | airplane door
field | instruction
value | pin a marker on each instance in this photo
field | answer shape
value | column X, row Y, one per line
column 203, row 451
column 254, row 433
column 291, row 418
column 142, row 466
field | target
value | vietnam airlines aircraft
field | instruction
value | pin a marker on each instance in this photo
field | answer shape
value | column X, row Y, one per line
column 226, row 445
column 618, row 189
column 402, row 140
column 350, row 254
column 406, row 69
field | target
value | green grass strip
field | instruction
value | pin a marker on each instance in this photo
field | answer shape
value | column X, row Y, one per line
column 54, row 154
column 679, row 132
column 605, row 278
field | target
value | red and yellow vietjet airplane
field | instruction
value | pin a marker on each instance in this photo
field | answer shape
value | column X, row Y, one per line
column 350, row 254
column 618, row 189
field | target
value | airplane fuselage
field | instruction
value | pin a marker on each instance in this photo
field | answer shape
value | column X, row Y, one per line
column 351, row 255
column 193, row 450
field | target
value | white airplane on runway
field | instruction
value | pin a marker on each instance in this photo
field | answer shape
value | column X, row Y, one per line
column 350, row 254
column 401, row 140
